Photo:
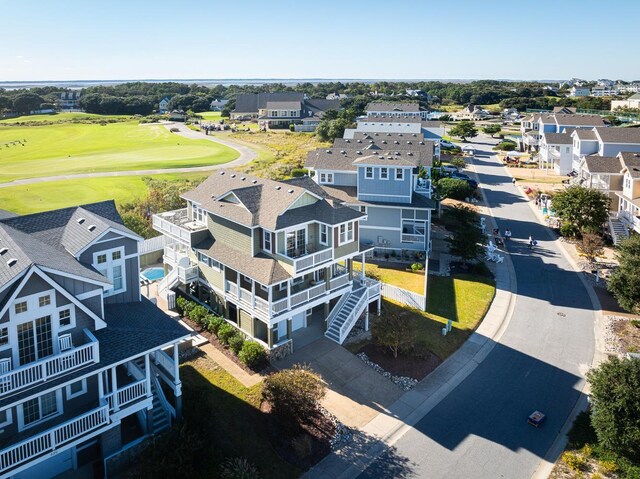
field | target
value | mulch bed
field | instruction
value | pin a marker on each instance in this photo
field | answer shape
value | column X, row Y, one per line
column 213, row 339
column 304, row 447
column 407, row 366
column 629, row 335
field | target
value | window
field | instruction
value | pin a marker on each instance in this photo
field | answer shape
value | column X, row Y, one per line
column 324, row 234
column 40, row 408
column 5, row 417
column 21, row 307
column 266, row 241
column 297, row 280
column 44, row 301
column 35, row 340
column 326, row 178
column 368, row 172
column 215, row 264
column 76, row 389
column 399, row 174
column 282, row 286
column 384, row 173
column 296, row 243
column 4, row 336
column 199, row 215
column 264, row 288
column 111, row 265
column 346, row 233
column 64, row 317
column 363, row 209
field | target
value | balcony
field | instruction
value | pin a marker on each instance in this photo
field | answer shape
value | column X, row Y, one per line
column 177, row 225
column 423, row 186
column 311, row 260
column 127, row 395
column 187, row 274
column 50, row 367
column 51, row 440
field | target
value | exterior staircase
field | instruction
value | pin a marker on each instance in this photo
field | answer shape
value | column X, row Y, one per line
column 618, row 230
column 161, row 419
column 346, row 313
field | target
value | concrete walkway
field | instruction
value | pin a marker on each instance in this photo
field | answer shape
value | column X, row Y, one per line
column 246, row 155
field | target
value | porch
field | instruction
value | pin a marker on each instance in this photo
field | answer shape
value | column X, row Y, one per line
column 177, row 225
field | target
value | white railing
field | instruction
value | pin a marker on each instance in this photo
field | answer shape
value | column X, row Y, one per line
column 262, row 305
column 129, row 394
column 339, row 281
column 408, row 298
column 310, row 260
column 173, row 253
column 279, row 306
column 307, row 294
column 374, row 287
column 305, row 128
column 231, row 288
column 245, row 296
column 336, row 309
column 169, row 280
column 155, row 244
column 353, row 317
column 167, row 227
column 163, row 359
column 409, row 238
column 50, row 367
column 53, row 439
column 187, row 274
column 168, row 408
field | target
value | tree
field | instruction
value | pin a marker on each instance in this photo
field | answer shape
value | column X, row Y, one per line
column 25, row 102
column 492, row 129
column 463, row 130
column 329, row 130
column 616, row 405
column 294, row 394
column 394, row 330
column 624, row 282
column 454, row 188
column 458, row 162
column 591, row 246
column 467, row 238
column 581, row 208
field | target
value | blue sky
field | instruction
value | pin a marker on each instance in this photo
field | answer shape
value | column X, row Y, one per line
column 136, row 39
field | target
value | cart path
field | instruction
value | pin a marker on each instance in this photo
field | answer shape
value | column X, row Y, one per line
column 480, row 430
column 246, row 155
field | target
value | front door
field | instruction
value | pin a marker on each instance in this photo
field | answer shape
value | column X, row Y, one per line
column 298, row 321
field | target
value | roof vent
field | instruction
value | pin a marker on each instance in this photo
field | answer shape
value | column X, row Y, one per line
column 80, row 221
column 359, row 141
column 92, row 227
column 243, row 178
column 397, row 153
column 359, row 152
column 328, row 151
column 384, row 142
column 221, row 173
column 343, row 152
column 381, row 157
column 290, row 191
column 3, row 250
column 388, row 134
column 389, row 157
column 278, row 187
column 11, row 262
column 421, row 142
column 396, row 142
column 347, row 141
column 410, row 153
column 254, row 181
column 233, row 176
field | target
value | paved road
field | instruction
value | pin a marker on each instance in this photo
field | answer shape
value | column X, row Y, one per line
column 246, row 155
column 479, row 430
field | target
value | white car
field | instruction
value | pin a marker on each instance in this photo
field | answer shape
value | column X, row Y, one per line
column 446, row 144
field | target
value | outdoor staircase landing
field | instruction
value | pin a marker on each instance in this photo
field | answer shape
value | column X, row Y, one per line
column 353, row 306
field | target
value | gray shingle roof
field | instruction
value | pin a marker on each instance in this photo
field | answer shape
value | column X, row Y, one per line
column 631, row 162
column 393, row 107
column 263, row 202
column 557, row 138
column 577, row 119
column 6, row 214
column 603, row 164
column 391, row 119
column 284, row 105
column 589, row 135
column 252, row 102
column 338, row 159
column 619, row 135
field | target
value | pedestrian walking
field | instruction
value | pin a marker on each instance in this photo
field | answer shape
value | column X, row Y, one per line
column 507, row 234
column 532, row 242
column 513, row 181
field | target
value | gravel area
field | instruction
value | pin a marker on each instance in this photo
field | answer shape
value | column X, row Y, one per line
column 402, row 382
column 342, row 434
column 612, row 343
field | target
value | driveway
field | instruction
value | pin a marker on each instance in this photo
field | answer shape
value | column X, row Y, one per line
column 479, row 429
column 356, row 393
column 246, row 155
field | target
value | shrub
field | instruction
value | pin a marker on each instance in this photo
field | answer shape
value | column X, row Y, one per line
column 198, row 313
column 395, row 331
column 214, row 324
column 569, row 230
column 302, row 445
column 180, row 302
column 188, row 307
column 608, row 467
column 238, row 468
column 294, row 394
column 235, row 343
column 506, row 146
column 225, row 333
column 458, row 162
column 454, row 188
column 252, row 354
column 417, row 266
column 574, row 461
column 298, row 172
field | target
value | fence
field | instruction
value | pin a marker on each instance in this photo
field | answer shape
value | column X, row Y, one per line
column 155, row 244
column 408, row 298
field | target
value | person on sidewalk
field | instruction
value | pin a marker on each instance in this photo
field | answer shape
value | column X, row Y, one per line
column 513, row 181
column 532, row 242
column 507, row 234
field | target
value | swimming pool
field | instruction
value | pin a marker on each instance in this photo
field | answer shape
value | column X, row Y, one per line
column 153, row 274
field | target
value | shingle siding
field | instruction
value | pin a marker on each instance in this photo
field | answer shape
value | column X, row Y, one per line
column 230, row 233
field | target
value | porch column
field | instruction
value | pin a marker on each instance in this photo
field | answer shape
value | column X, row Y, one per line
column 100, row 385
column 253, row 294
column 379, row 303
column 177, row 391
column 269, row 337
column 176, row 366
column 270, row 299
column 238, row 283
column 147, row 370
column 366, row 319
column 327, row 311
column 289, row 328
column 114, row 390
column 327, row 279
column 350, row 269
column 288, row 294
column 363, row 265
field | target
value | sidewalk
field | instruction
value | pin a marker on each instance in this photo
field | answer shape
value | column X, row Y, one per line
column 386, row 428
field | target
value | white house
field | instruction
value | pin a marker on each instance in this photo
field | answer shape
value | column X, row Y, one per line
column 163, row 106
column 217, row 104
column 579, row 91
column 555, row 151
column 632, row 102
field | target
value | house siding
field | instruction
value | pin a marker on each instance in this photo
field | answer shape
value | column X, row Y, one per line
column 383, row 190
column 213, row 277
column 345, row 179
column 231, row 234
column 612, row 149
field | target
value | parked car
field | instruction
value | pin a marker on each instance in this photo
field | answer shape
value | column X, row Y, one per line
column 446, row 144
column 461, row 176
column 450, row 169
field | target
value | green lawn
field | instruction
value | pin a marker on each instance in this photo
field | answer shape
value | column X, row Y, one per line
column 396, row 276
column 71, row 148
column 25, row 199
column 222, row 419
column 60, row 117
column 210, row 115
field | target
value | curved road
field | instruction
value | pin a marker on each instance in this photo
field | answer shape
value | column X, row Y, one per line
column 479, row 430
column 246, row 155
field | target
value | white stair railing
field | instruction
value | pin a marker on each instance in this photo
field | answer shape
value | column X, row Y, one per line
column 353, row 317
column 336, row 309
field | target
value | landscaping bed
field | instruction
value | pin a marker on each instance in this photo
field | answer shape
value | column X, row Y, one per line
column 628, row 333
column 415, row 367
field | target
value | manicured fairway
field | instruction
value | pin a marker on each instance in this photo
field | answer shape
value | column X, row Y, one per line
column 210, row 115
column 71, row 148
column 60, row 117
column 25, row 199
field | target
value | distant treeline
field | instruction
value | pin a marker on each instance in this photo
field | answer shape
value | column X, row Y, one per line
column 143, row 98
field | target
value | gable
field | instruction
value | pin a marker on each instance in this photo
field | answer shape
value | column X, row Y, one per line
column 305, row 199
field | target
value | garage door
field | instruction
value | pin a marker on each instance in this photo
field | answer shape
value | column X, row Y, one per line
column 298, row 321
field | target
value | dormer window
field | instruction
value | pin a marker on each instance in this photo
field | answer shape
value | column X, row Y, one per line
column 326, row 178
column 111, row 264
column 266, row 241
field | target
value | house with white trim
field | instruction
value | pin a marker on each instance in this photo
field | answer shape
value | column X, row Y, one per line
column 87, row 365
column 556, row 151
column 395, row 110
column 603, row 141
column 629, row 204
column 275, row 259
column 163, row 105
